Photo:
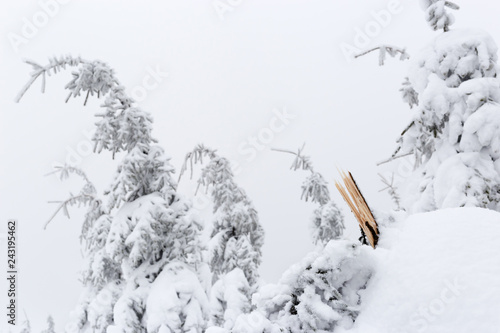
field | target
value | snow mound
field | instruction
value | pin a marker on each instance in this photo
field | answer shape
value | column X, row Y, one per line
column 436, row 272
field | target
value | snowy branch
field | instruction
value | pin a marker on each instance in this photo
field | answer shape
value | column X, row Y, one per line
column 301, row 161
column 194, row 157
column 55, row 65
column 87, row 195
column 384, row 50
column 394, row 157
column 392, row 190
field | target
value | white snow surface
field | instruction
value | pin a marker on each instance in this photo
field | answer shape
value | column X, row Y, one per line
column 435, row 272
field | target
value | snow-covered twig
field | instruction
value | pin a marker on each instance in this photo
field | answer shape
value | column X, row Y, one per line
column 196, row 156
column 87, row 194
column 301, row 161
column 64, row 205
column 392, row 190
column 392, row 158
column 54, row 65
column 384, row 50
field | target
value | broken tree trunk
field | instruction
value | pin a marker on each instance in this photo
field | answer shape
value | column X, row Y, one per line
column 353, row 197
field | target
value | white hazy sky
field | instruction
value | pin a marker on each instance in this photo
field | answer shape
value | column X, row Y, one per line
column 225, row 78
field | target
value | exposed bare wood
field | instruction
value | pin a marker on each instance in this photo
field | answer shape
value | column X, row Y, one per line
column 359, row 207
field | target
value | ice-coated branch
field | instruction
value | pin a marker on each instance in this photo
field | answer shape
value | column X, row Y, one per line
column 384, row 50
column 196, row 156
column 301, row 161
column 392, row 189
column 72, row 200
column 394, row 157
column 87, row 195
column 55, row 65
column 66, row 170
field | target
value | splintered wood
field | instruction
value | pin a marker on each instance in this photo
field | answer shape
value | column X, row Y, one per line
column 353, row 197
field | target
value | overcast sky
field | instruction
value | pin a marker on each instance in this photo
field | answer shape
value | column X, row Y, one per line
column 251, row 76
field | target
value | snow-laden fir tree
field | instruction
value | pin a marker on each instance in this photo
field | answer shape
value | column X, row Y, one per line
column 145, row 226
column 454, row 136
column 50, row 326
column 235, row 241
column 327, row 220
column 318, row 294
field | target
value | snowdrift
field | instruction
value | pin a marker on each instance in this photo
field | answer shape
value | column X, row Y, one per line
column 435, row 272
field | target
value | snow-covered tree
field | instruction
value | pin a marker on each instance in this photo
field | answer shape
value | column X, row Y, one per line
column 327, row 220
column 454, row 134
column 319, row 293
column 236, row 238
column 146, row 224
column 50, row 326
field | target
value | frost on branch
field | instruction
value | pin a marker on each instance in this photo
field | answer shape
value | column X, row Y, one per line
column 385, row 50
column 327, row 220
column 392, row 189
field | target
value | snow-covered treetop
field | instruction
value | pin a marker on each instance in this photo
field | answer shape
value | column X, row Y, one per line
column 451, row 60
column 314, row 187
column 327, row 220
column 123, row 124
column 437, row 13
column 237, row 236
column 455, row 57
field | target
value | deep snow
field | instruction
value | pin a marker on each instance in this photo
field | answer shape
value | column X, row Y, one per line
column 435, row 272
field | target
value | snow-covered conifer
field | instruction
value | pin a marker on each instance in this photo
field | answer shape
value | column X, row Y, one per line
column 237, row 235
column 327, row 220
column 236, row 238
column 146, row 224
column 319, row 293
column 454, row 133
column 453, row 136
